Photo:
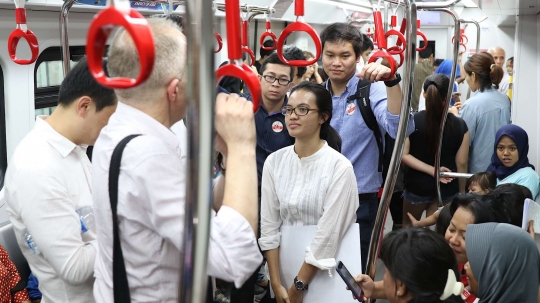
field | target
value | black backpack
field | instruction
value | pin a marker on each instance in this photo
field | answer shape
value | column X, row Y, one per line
column 362, row 99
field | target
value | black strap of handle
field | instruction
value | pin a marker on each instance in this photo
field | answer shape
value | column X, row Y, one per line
column 120, row 281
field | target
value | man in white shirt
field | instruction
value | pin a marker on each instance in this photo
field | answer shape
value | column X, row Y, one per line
column 49, row 179
column 499, row 56
column 152, row 180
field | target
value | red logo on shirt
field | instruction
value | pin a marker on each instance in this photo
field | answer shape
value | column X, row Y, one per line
column 351, row 108
column 277, row 127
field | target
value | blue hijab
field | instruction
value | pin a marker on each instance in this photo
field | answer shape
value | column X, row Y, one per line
column 446, row 68
column 521, row 139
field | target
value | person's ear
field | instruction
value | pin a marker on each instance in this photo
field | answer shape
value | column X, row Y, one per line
column 323, row 118
column 401, row 289
column 84, row 105
column 173, row 90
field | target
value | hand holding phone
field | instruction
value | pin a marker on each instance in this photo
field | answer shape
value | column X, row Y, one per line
column 352, row 285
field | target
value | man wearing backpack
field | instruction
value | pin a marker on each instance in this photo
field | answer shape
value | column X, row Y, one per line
column 364, row 109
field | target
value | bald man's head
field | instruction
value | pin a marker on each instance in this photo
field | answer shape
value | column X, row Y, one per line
column 498, row 54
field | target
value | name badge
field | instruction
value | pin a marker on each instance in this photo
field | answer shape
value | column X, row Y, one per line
column 351, row 108
column 277, row 127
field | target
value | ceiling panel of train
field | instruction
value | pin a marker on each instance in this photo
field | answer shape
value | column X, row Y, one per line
column 500, row 12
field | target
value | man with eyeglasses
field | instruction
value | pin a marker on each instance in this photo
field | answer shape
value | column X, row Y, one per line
column 272, row 135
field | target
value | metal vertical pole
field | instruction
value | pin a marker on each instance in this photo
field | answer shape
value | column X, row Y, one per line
column 477, row 43
column 447, row 101
column 407, row 89
column 200, row 96
column 64, row 41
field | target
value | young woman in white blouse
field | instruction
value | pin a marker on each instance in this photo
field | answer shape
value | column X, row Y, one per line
column 309, row 183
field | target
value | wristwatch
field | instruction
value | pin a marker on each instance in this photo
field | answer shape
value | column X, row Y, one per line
column 300, row 285
column 394, row 82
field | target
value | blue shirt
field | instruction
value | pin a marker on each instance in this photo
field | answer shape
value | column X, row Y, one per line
column 359, row 144
column 526, row 177
column 484, row 113
column 272, row 133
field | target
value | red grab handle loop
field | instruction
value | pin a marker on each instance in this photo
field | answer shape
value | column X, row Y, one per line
column 384, row 55
column 136, row 25
column 244, row 41
column 245, row 74
column 395, row 50
column 219, row 41
column 26, row 34
column 234, row 50
column 32, row 41
column 419, row 33
column 464, row 47
column 299, row 26
column 250, row 53
column 266, row 34
column 400, row 37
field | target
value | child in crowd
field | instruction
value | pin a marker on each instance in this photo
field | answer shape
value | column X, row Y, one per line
column 479, row 183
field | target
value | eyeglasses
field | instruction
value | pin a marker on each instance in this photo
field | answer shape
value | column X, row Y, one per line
column 299, row 110
column 272, row 79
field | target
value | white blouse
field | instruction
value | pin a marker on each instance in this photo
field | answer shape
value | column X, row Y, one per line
column 316, row 190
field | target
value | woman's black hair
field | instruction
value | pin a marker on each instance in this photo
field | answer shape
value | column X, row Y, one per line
column 487, row 180
column 323, row 98
column 483, row 208
column 366, row 43
column 511, row 197
column 420, row 259
column 445, row 216
column 436, row 88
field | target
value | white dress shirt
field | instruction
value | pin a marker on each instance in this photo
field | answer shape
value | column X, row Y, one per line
column 316, row 190
column 47, row 181
column 151, row 199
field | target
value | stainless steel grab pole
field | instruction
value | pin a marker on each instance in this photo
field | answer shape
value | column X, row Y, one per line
column 200, row 95
column 64, row 39
column 407, row 89
column 455, row 175
column 448, row 97
column 477, row 42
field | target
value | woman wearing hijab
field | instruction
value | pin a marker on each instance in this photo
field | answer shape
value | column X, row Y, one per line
column 509, row 160
column 503, row 263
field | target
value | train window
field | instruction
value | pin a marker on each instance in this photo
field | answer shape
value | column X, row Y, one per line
column 49, row 75
column 3, row 151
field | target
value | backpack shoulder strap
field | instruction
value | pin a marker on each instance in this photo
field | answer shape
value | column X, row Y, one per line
column 364, row 104
column 120, row 282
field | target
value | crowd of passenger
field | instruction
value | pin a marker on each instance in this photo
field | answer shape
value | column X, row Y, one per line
column 315, row 153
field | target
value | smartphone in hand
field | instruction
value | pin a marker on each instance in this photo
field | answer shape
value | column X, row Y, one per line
column 349, row 280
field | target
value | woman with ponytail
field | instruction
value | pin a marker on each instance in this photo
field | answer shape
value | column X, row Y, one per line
column 420, row 268
column 420, row 192
column 309, row 183
column 486, row 111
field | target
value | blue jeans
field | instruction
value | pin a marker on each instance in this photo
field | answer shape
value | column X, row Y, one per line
column 365, row 217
